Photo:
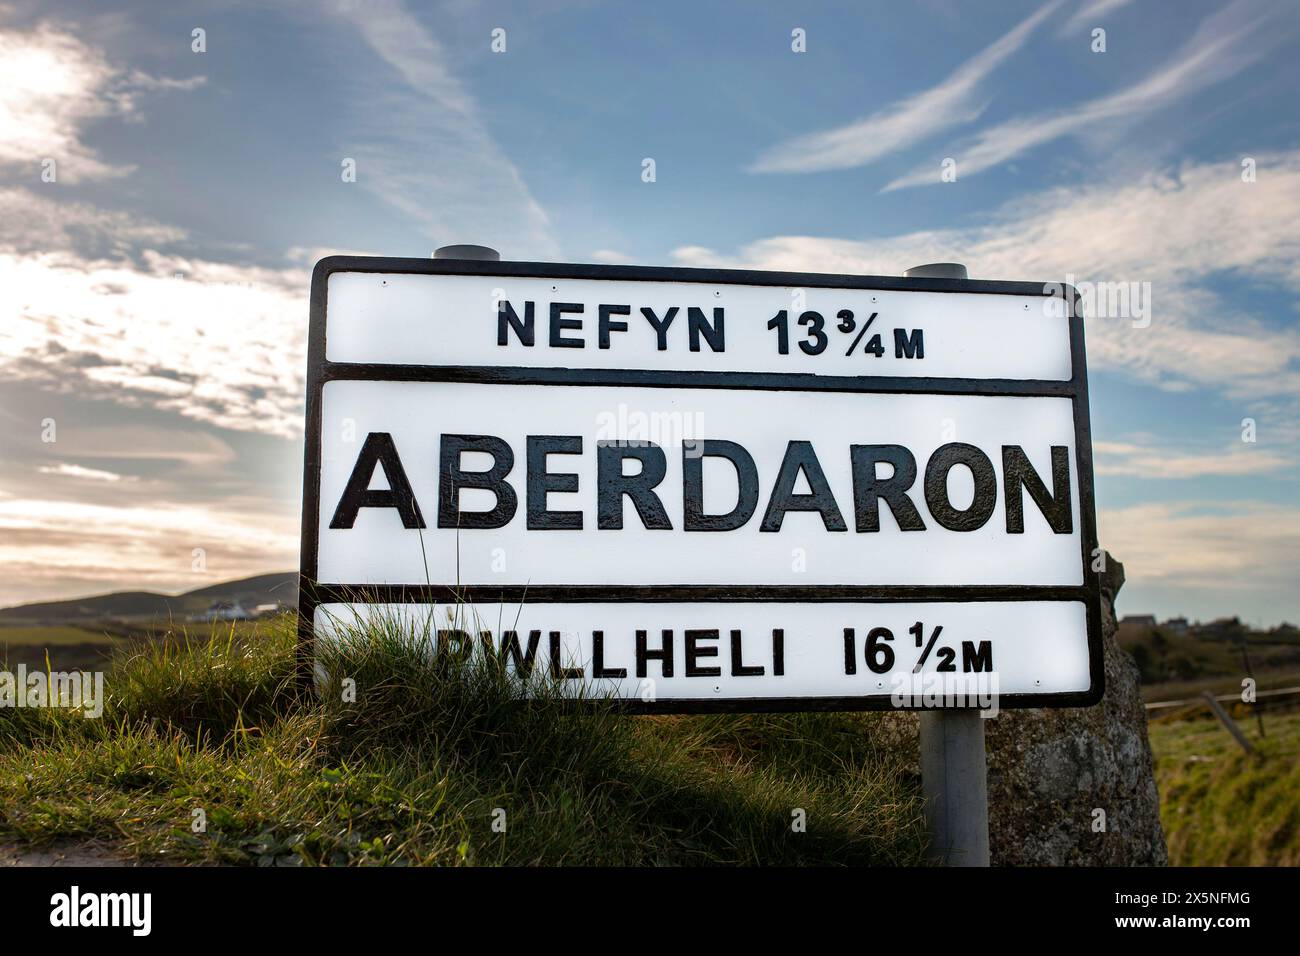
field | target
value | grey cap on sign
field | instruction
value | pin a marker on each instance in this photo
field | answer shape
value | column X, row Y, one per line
column 937, row 270
column 485, row 253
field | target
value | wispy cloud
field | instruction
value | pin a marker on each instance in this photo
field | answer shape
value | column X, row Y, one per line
column 1176, row 229
column 432, row 157
column 1225, row 43
column 958, row 99
column 1089, row 15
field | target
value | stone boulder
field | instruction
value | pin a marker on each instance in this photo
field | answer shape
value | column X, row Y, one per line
column 1051, row 771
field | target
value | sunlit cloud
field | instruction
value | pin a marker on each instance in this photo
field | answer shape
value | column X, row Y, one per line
column 52, row 85
column 216, row 342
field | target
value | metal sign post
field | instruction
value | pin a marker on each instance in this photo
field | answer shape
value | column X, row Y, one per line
column 954, row 782
column 954, row 771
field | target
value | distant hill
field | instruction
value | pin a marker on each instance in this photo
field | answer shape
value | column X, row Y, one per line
column 281, row 587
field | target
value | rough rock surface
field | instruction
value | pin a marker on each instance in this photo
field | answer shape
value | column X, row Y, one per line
column 1051, row 770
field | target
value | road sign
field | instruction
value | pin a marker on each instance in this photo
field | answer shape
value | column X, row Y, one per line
column 698, row 489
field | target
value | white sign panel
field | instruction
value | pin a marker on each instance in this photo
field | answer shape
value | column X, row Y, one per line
column 696, row 490
column 488, row 321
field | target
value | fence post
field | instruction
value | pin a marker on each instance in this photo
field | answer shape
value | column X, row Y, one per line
column 1229, row 724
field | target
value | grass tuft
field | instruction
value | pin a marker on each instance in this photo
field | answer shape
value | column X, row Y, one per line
column 398, row 758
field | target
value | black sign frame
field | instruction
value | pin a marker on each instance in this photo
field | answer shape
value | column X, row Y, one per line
column 320, row 371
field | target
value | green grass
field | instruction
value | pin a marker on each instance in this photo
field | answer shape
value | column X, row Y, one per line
column 1221, row 807
column 419, row 768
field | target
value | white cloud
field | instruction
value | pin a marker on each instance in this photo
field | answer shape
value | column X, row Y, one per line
column 223, row 344
column 1154, row 461
column 957, row 99
column 1205, row 545
column 66, row 470
column 427, row 152
column 52, row 86
column 1175, row 229
column 1225, row 44
column 37, row 220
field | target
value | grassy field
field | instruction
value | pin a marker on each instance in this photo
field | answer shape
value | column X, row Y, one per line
column 1177, row 666
column 1221, row 807
column 54, row 635
column 430, row 767
column 63, row 647
column 91, row 646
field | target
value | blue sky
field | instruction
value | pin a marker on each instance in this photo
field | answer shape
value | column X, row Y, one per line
column 155, row 292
